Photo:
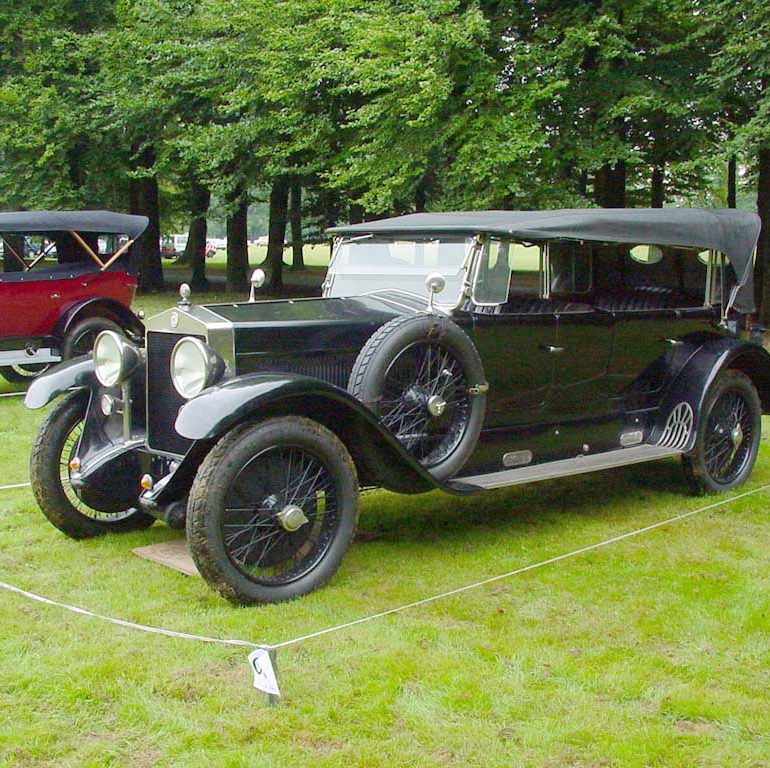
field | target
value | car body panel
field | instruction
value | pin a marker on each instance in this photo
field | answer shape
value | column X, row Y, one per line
column 33, row 303
column 570, row 379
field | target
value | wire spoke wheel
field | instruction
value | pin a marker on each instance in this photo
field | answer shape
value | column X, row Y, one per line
column 93, row 511
column 425, row 401
column 272, row 511
column 68, row 451
column 729, row 436
column 422, row 376
column 280, row 515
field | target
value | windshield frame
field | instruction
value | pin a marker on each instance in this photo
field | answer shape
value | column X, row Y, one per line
column 442, row 302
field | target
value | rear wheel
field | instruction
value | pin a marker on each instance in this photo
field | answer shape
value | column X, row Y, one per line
column 728, row 436
column 272, row 511
column 18, row 374
column 80, row 339
column 55, row 444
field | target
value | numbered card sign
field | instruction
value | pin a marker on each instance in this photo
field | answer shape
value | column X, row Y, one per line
column 264, row 674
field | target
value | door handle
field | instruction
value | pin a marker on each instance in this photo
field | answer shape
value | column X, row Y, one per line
column 550, row 348
column 672, row 342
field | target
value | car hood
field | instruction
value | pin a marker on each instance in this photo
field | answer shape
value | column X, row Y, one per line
column 270, row 330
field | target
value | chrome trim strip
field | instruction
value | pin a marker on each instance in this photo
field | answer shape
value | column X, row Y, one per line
column 631, row 438
column 517, row 458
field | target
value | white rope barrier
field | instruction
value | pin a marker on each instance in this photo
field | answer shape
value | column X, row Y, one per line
column 517, row 571
column 15, row 485
column 391, row 611
column 121, row 622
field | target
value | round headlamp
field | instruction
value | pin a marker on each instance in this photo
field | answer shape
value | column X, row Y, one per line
column 194, row 366
column 115, row 358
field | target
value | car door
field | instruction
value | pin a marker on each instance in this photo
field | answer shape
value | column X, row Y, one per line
column 584, row 334
column 514, row 330
column 659, row 307
column 584, row 348
column 514, row 345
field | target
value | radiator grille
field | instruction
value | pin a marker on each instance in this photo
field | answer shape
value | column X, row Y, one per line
column 163, row 401
column 332, row 367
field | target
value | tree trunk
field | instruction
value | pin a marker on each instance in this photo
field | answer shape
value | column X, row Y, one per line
column 762, row 268
column 610, row 185
column 657, row 190
column 237, row 243
column 617, row 186
column 146, row 252
column 195, row 252
column 583, row 184
column 279, row 203
column 331, row 211
column 419, row 196
column 732, row 182
column 298, row 258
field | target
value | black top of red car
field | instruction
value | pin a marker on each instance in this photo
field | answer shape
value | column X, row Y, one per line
column 98, row 222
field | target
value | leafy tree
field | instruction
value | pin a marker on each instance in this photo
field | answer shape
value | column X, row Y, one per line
column 741, row 73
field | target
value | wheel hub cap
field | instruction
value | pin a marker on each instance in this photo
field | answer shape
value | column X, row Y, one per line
column 291, row 518
column 736, row 435
column 436, row 405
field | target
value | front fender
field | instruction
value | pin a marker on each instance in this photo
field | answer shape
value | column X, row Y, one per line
column 78, row 372
column 692, row 383
column 220, row 408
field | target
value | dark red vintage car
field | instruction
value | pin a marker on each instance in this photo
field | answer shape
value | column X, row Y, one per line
column 63, row 282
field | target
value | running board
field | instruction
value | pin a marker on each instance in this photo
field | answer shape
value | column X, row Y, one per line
column 565, row 467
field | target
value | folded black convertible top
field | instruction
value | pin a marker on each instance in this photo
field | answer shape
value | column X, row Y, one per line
column 98, row 222
column 732, row 232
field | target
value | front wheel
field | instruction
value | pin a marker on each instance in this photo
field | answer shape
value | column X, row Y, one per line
column 728, row 436
column 55, row 444
column 272, row 511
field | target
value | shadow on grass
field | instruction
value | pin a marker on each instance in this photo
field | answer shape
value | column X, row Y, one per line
column 439, row 517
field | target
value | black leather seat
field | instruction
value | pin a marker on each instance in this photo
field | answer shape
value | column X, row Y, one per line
column 640, row 299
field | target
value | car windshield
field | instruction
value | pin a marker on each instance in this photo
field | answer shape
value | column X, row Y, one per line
column 374, row 263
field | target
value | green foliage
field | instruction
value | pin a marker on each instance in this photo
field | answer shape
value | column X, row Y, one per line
column 375, row 107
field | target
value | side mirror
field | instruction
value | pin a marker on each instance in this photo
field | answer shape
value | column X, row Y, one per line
column 257, row 281
column 435, row 282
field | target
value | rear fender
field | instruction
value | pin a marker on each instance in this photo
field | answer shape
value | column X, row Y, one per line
column 218, row 409
column 692, row 383
column 75, row 373
column 100, row 307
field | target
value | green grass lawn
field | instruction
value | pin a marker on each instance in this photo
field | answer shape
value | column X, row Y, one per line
column 652, row 652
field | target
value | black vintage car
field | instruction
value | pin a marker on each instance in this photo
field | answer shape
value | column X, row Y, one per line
column 460, row 351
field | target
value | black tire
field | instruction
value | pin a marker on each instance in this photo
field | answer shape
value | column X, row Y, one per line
column 21, row 374
column 419, row 346
column 55, row 441
column 728, row 437
column 79, row 340
column 253, row 476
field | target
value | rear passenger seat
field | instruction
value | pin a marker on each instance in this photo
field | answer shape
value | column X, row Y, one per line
column 641, row 298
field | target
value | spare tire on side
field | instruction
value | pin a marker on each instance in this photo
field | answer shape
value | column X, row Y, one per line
column 423, row 377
